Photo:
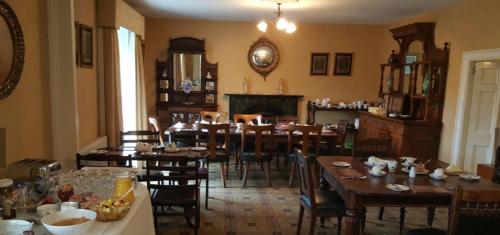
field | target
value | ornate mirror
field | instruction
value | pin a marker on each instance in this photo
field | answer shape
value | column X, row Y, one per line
column 263, row 56
column 11, row 50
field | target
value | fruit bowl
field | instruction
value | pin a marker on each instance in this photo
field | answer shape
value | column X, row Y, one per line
column 112, row 209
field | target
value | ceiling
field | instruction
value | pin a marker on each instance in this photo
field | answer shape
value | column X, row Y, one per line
column 302, row 11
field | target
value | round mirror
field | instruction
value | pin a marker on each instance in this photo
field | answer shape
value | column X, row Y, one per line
column 263, row 56
column 11, row 50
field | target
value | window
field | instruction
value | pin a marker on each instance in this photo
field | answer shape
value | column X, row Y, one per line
column 126, row 44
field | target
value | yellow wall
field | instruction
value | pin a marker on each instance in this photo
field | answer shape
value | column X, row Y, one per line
column 86, row 80
column 468, row 25
column 116, row 13
column 26, row 112
column 227, row 43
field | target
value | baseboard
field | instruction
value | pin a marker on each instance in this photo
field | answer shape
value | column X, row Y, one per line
column 100, row 142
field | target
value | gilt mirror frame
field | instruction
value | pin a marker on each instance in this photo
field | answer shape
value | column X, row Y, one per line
column 13, row 77
column 263, row 71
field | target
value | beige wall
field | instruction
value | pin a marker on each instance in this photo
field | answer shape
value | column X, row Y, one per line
column 468, row 25
column 227, row 43
column 116, row 13
column 26, row 112
column 86, row 80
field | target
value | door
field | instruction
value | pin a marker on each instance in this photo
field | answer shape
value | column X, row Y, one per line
column 483, row 115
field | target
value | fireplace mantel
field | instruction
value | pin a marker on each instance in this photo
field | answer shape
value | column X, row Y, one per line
column 266, row 104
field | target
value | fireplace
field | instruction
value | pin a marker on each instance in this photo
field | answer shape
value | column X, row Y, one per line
column 267, row 105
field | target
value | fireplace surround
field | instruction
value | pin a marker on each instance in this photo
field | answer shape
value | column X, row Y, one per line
column 267, row 105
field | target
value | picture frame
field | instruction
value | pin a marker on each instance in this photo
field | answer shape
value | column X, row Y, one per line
column 319, row 64
column 210, row 86
column 86, row 46
column 343, row 64
column 210, row 98
column 77, row 43
column 410, row 58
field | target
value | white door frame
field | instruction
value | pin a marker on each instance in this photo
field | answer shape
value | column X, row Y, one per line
column 468, row 57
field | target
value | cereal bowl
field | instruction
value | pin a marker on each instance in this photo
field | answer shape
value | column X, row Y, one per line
column 64, row 217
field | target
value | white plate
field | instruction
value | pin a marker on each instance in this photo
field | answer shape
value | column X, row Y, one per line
column 418, row 173
column 397, row 187
column 470, row 177
column 380, row 173
column 438, row 178
column 199, row 148
column 341, row 164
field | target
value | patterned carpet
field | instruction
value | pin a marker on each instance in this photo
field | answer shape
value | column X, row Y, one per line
column 260, row 210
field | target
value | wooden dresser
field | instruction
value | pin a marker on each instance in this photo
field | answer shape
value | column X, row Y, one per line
column 409, row 137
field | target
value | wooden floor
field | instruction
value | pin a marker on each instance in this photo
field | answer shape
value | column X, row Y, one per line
column 257, row 210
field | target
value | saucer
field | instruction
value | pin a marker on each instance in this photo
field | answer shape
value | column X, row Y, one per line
column 470, row 177
column 198, row 148
column 397, row 187
column 341, row 164
column 438, row 178
column 380, row 173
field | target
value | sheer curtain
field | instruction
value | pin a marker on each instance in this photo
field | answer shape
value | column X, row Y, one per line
column 141, row 114
column 128, row 78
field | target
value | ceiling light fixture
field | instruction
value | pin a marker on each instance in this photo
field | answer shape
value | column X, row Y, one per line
column 280, row 22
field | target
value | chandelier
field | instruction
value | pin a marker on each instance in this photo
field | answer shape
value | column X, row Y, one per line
column 281, row 22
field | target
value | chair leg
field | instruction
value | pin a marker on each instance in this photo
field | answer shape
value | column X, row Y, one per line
column 277, row 162
column 402, row 212
column 227, row 170
column 222, row 171
column 301, row 216
column 322, row 221
column 292, row 174
column 430, row 216
column 206, row 193
column 267, row 172
column 363, row 219
column 312, row 225
column 381, row 213
column 339, row 225
column 245, row 174
column 241, row 170
column 261, row 166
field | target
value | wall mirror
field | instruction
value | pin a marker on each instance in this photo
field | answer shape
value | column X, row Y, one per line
column 187, row 67
column 11, row 50
column 263, row 56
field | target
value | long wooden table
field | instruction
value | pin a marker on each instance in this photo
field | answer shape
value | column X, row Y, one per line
column 361, row 193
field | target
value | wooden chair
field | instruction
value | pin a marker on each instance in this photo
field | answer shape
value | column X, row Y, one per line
column 218, row 117
column 154, row 125
column 322, row 203
column 183, row 191
column 219, row 151
column 342, row 134
column 261, row 151
column 287, row 119
column 247, row 118
column 307, row 143
column 473, row 211
column 111, row 160
column 131, row 138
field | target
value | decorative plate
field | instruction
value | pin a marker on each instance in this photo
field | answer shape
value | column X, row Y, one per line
column 341, row 164
column 397, row 187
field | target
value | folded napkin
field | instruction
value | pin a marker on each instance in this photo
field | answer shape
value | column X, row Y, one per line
column 349, row 172
column 427, row 189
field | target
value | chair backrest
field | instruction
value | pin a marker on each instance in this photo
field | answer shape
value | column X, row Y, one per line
column 154, row 125
column 263, row 137
column 218, row 117
column 247, row 118
column 342, row 132
column 304, row 172
column 496, row 171
column 130, row 138
column 474, row 211
column 212, row 137
column 185, row 169
column 82, row 159
column 364, row 148
column 307, row 138
column 288, row 119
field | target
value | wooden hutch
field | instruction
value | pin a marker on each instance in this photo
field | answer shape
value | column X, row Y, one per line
column 186, row 61
column 412, row 90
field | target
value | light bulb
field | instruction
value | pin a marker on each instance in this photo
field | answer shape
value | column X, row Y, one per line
column 262, row 26
column 282, row 23
column 290, row 28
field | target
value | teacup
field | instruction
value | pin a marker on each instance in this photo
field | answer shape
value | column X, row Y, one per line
column 392, row 165
column 438, row 172
column 380, row 163
column 377, row 170
column 371, row 160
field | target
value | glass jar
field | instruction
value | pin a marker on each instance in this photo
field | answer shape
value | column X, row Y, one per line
column 8, row 198
column 124, row 185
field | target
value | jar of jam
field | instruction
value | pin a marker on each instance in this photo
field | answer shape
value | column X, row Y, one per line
column 8, row 198
column 65, row 192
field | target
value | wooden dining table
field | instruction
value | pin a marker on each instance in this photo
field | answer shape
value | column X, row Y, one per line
column 371, row 191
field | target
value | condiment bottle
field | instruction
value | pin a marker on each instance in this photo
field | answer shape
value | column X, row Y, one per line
column 413, row 172
column 8, row 198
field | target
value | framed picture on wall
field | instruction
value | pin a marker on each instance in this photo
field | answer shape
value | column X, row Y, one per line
column 319, row 64
column 343, row 64
column 86, row 46
column 77, row 45
column 210, row 98
column 210, row 86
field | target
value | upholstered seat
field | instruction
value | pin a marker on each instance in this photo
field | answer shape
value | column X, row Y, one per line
column 326, row 201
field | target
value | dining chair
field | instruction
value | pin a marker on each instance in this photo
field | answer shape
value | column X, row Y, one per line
column 248, row 118
column 257, row 145
column 182, row 191
column 218, row 150
column 131, row 138
column 342, row 135
column 473, row 211
column 218, row 117
column 309, row 145
column 287, row 119
column 322, row 203
column 154, row 125
column 92, row 159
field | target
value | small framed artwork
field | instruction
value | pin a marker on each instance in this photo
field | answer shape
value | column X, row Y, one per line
column 210, row 86
column 319, row 64
column 410, row 58
column 77, row 44
column 86, row 46
column 343, row 64
column 210, row 98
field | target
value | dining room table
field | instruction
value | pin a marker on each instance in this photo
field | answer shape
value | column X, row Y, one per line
column 359, row 189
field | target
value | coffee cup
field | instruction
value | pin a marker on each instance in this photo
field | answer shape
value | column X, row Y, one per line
column 392, row 165
column 371, row 160
column 376, row 169
column 380, row 163
column 438, row 172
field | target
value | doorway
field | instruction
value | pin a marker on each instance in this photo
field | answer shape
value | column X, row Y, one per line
column 477, row 111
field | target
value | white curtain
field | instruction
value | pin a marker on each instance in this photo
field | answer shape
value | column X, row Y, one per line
column 141, row 114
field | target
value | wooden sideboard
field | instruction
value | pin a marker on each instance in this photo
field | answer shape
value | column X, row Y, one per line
column 409, row 137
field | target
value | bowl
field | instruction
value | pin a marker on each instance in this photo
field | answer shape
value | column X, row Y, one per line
column 111, row 210
column 46, row 209
column 15, row 226
column 76, row 229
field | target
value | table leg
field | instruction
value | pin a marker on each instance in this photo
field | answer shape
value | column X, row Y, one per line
column 430, row 215
column 353, row 221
